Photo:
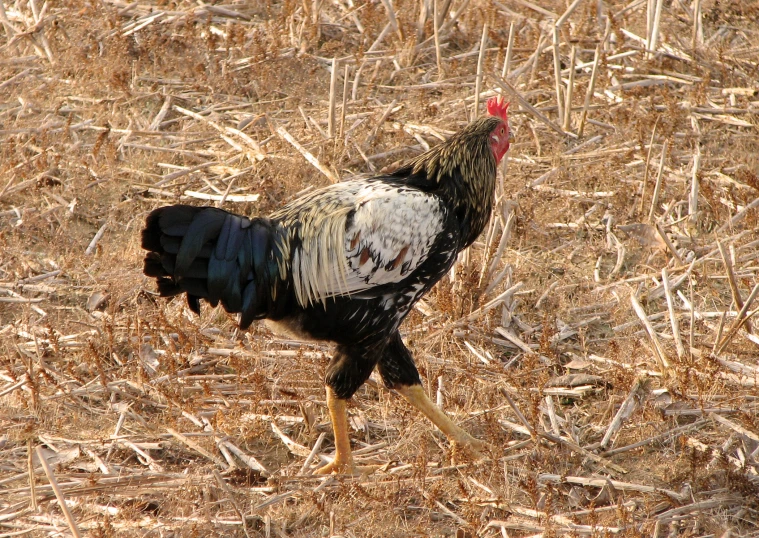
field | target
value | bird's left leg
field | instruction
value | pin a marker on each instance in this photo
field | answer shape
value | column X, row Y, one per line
column 343, row 462
column 350, row 368
column 398, row 371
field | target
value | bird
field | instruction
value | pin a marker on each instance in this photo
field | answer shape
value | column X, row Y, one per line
column 343, row 264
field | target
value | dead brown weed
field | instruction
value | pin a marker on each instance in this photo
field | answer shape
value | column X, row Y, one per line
column 613, row 404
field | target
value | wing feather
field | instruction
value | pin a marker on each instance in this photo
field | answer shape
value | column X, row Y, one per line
column 359, row 235
column 389, row 236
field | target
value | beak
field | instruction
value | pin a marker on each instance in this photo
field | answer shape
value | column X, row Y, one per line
column 511, row 137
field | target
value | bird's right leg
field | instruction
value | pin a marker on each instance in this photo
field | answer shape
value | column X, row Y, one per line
column 418, row 398
column 399, row 372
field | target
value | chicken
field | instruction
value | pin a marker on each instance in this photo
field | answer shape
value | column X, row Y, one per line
column 344, row 264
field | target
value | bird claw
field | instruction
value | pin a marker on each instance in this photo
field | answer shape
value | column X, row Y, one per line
column 337, row 467
column 343, row 468
column 471, row 448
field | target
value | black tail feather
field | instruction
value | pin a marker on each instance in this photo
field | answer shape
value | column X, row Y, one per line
column 205, row 227
column 211, row 254
column 153, row 266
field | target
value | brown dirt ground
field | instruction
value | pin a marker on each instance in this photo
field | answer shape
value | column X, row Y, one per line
column 149, row 416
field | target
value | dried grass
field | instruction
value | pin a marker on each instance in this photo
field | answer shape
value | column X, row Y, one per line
column 599, row 337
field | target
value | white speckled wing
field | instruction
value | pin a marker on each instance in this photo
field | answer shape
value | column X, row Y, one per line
column 358, row 235
column 390, row 235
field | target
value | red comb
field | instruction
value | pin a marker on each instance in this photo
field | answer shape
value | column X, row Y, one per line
column 498, row 107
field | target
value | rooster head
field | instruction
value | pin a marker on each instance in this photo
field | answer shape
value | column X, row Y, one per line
column 500, row 137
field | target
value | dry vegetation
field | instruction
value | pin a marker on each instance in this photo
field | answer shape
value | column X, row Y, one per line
column 599, row 336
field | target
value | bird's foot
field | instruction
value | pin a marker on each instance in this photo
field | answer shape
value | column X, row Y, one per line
column 344, row 468
column 470, row 448
column 337, row 466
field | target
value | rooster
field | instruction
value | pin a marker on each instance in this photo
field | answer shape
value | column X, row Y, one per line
column 343, row 264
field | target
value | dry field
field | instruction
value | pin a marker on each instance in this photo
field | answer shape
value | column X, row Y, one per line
column 599, row 336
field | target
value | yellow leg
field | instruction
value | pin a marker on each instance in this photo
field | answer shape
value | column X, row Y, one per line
column 343, row 462
column 418, row 398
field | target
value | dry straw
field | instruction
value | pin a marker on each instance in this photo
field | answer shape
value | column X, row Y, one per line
column 600, row 338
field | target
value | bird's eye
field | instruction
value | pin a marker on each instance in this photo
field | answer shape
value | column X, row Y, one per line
column 503, row 130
